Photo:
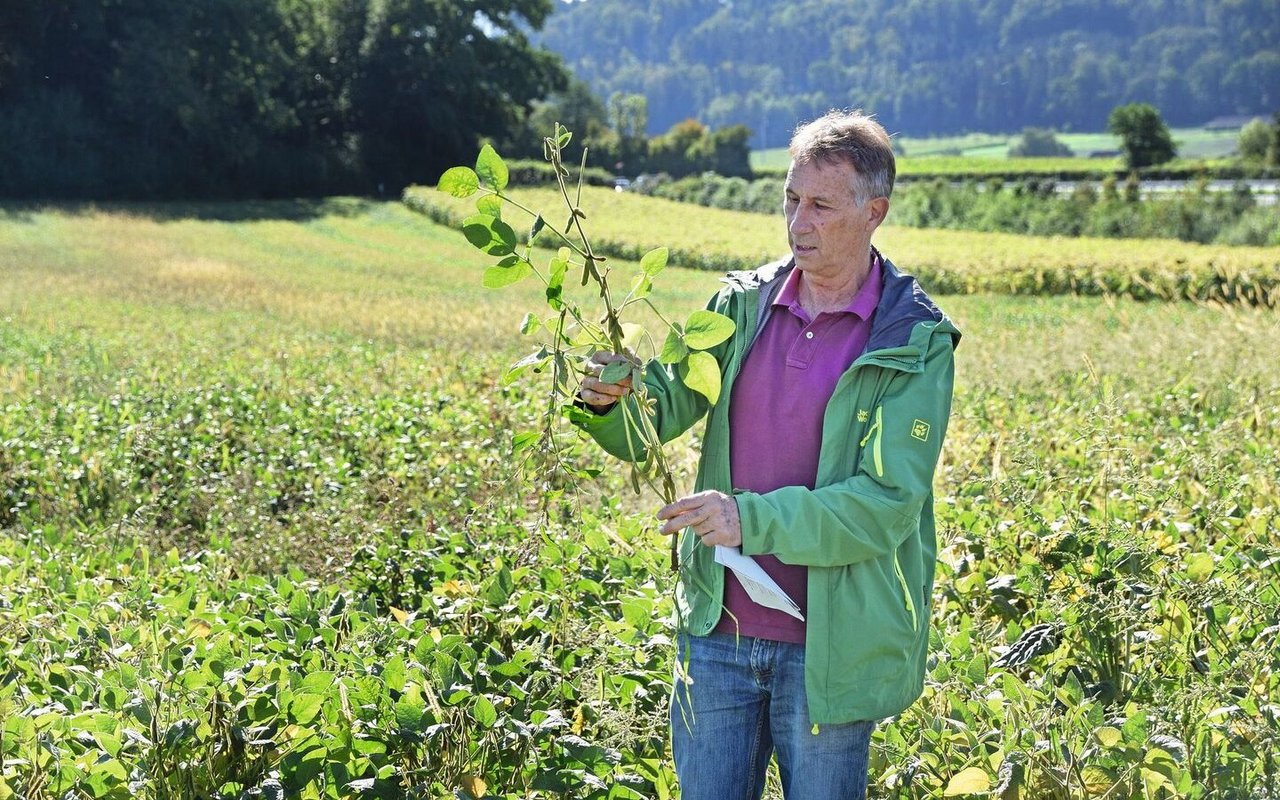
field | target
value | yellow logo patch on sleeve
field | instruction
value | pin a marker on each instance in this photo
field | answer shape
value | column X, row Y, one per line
column 920, row 430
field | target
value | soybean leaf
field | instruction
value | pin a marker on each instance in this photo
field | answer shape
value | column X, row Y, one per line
column 970, row 780
column 492, row 169
column 523, row 441
column 654, row 261
column 393, row 673
column 490, row 204
column 673, row 349
column 701, row 373
column 555, row 278
column 486, row 714
column 305, row 707
column 530, row 324
column 506, row 272
column 616, row 372
column 642, row 286
column 459, row 182
column 536, row 359
column 706, row 329
column 489, row 234
column 538, row 224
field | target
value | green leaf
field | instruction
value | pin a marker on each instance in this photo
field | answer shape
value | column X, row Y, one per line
column 538, row 224
column 492, row 169
column 491, row 205
column 509, row 270
column 489, row 234
column 306, row 707
column 616, row 372
column 317, row 682
column 485, row 712
column 654, row 261
column 523, row 441
column 970, row 780
column 1200, row 566
column 555, row 279
column 701, row 373
column 673, row 349
column 1109, row 736
column 642, row 287
column 529, row 324
column 536, row 360
column 410, row 711
column 459, row 182
column 705, row 329
column 393, row 673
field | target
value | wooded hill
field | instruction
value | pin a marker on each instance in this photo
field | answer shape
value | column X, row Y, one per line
column 925, row 66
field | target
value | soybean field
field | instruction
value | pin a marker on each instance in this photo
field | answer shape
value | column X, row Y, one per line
column 262, row 531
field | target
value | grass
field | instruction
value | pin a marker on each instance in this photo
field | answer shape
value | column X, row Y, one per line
column 262, row 533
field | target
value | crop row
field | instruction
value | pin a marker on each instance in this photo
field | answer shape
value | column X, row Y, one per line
column 950, row 262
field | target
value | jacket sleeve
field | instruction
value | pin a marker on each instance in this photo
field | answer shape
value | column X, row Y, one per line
column 672, row 406
column 869, row 514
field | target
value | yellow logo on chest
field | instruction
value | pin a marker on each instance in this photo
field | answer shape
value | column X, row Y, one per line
column 920, row 430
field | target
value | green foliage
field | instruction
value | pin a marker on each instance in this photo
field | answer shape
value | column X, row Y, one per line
column 243, row 98
column 1144, row 138
column 574, row 332
column 264, row 535
column 1260, row 142
column 1038, row 143
column 926, row 67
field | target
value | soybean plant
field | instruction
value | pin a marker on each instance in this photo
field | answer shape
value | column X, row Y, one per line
column 576, row 329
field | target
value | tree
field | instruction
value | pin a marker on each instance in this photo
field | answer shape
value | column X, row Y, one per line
column 433, row 81
column 1144, row 138
column 1038, row 142
column 1260, row 141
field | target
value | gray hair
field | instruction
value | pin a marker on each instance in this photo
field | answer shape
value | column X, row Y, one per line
column 854, row 138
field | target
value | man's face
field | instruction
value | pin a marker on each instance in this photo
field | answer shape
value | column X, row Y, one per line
column 828, row 231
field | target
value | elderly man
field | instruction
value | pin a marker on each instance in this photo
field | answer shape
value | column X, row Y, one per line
column 818, row 463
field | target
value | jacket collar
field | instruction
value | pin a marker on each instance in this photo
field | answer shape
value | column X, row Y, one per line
column 903, row 302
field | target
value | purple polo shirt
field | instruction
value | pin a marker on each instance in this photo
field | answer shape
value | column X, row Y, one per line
column 775, row 428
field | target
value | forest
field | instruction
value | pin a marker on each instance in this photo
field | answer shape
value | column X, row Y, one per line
column 925, row 66
column 257, row 98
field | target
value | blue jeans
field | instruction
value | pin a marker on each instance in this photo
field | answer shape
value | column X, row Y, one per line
column 747, row 702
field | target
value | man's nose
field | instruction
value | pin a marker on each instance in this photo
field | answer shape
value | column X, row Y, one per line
column 801, row 220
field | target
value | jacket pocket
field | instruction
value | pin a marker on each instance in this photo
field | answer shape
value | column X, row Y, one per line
column 908, row 603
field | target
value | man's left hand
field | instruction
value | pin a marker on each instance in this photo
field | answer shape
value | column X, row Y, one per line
column 712, row 515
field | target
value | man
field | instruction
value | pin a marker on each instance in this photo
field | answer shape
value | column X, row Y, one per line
column 817, row 461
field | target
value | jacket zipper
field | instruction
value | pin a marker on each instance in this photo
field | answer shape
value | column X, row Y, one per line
column 906, row 593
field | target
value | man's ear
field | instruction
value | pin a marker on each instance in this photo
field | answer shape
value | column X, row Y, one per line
column 876, row 210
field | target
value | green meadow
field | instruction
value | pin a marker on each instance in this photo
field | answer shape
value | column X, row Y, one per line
column 262, row 533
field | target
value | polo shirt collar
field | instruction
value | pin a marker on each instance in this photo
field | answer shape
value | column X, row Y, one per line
column 863, row 303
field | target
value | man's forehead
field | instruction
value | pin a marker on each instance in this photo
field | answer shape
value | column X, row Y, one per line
column 838, row 172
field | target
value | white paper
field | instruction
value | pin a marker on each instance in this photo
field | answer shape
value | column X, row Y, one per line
column 760, row 587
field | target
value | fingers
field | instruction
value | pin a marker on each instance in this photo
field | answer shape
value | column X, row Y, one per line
column 712, row 515
column 597, row 393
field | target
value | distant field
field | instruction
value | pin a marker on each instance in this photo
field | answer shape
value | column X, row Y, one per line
column 1193, row 143
column 627, row 225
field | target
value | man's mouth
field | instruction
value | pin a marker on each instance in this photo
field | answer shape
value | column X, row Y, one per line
column 804, row 249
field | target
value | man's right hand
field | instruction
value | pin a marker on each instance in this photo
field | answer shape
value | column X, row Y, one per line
column 597, row 394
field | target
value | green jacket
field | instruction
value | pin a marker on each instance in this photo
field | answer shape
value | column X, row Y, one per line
column 866, row 532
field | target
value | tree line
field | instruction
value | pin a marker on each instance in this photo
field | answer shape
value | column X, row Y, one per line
column 258, row 98
column 926, row 66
